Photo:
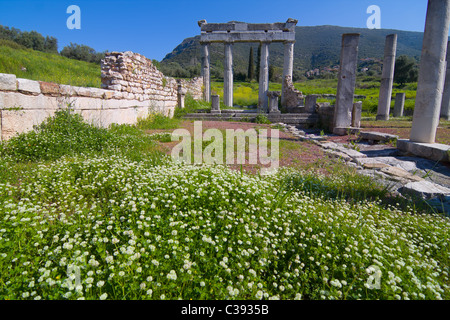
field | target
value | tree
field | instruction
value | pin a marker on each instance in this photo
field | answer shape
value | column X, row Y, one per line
column 251, row 66
column 405, row 70
column 82, row 52
column 51, row 45
column 258, row 62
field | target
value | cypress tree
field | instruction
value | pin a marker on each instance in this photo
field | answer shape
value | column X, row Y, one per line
column 251, row 67
column 258, row 62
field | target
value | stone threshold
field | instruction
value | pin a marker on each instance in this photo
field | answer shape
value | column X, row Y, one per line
column 432, row 151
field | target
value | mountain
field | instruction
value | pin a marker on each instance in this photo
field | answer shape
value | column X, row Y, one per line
column 315, row 47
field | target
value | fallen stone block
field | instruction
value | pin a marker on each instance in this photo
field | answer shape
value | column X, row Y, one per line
column 339, row 155
column 401, row 173
column 375, row 165
column 351, row 153
column 391, row 161
column 377, row 136
column 426, row 189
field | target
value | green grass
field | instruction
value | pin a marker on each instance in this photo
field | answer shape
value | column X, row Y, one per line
column 157, row 122
column 115, row 220
column 49, row 67
column 246, row 94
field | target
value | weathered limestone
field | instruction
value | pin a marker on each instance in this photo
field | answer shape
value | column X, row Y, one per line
column 133, row 76
column 232, row 32
column 206, row 72
column 356, row 114
column 292, row 97
column 445, row 106
column 288, row 67
column 346, row 85
column 310, row 103
column 273, row 101
column 228, row 75
column 28, row 86
column 181, row 95
column 263, row 78
column 8, row 81
column 248, row 32
column 143, row 89
column 431, row 73
column 387, row 78
column 432, row 151
column 377, row 136
column 399, row 104
column 215, row 104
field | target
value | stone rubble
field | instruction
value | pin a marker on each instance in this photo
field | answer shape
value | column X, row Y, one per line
column 406, row 176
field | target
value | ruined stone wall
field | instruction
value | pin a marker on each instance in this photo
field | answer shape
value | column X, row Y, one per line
column 132, row 89
column 135, row 76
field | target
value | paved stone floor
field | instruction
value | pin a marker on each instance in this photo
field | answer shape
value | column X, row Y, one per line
column 405, row 175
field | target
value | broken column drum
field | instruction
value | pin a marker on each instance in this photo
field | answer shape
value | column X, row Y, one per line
column 232, row 32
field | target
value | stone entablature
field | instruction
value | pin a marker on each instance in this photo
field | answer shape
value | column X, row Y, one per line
column 232, row 32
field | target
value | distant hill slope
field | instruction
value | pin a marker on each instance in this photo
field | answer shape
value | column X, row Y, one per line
column 315, row 47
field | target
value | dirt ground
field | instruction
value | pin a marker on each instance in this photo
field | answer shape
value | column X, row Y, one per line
column 293, row 153
column 303, row 154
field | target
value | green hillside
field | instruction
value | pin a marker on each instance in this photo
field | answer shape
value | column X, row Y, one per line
column 315, row 47
column 36, row 65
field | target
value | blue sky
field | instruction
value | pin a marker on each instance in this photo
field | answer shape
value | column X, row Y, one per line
column 155, row 27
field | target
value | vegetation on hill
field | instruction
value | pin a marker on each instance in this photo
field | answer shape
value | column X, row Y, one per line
column 34, row 40
column 51, row 67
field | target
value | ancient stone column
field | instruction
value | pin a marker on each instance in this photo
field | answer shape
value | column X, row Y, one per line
column 273, row 101
column 206, row 74
column 264, row 78
column 310, row 103
column 399, row 104
column 288, row 66
column 431, row 73
column 356, row 114
column 445, row 106
column 181, row 94
column 215, row 104
column 228, row 75
column 387, row 78
column 346, row 83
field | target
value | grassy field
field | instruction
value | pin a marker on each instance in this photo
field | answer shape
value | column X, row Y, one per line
column 246, row 94
column 90, row 213
column 402, row 128
column 48, row 67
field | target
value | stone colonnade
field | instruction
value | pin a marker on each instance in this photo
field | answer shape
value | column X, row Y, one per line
column 233, row 32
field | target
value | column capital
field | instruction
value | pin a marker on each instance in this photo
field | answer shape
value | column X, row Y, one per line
column 205, row 42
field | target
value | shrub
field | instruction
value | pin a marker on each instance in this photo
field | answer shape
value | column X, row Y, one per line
column 262, row 119
column 64, row 134
column 157, row 121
